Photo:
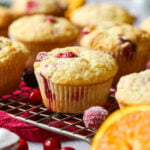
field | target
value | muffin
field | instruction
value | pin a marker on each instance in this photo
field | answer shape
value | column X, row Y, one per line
column 13, row 56
column 42, row 33
column 134, row 89
column 145, row 25
column 5, row 19
column 73, row 79
column 29, row 7
column 96, row 13
column 127, row 44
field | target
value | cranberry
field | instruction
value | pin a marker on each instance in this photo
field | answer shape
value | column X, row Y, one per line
column 31, row 5
column 67, row 55
column 52, row 144
column 88, row 29
column 35, row 97
column 51, row 19
column 29, row 77
column 130, row 48
column 41, row 56
column 67, row 148
column 22, row 145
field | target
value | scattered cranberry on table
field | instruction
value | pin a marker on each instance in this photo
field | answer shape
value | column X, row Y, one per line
column 67, row 148
column 22, row 145
column 52, row 144
column 35, row 97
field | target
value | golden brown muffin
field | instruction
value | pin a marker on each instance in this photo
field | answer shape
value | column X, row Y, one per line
column 72, row 79
column 13, row 56
column 96, row 13
column 5, row 20
column 127, row 44
column 134, row 89
column 29, row 7
column 145, row 25
column 43, row 33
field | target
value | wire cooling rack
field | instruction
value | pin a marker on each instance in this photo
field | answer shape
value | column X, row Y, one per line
column 71, row 125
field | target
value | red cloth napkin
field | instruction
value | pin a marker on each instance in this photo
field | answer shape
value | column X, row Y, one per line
column 30, row 132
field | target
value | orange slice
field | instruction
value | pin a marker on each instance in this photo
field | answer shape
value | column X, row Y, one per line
column 73, row 4
column 125, row 129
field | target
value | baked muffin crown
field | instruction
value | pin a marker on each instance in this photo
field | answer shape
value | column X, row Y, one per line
column 28, row 7
column 39, row 28
column 5, row 17
column 145, row 25
column 116, row 37
column 134, row 88
column 95, row 13
column 76, row 66
column 9, row 49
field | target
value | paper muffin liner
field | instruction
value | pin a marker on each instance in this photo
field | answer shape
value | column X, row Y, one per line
column 127, row 65
column 10, row 74
column 4, row 32
column 72, row 99
column 35, row 48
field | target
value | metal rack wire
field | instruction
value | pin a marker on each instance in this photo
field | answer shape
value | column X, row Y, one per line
column 16, row 105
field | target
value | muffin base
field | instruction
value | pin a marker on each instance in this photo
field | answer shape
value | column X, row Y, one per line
column 129, row 65
column 10, row 77
column 72, row 99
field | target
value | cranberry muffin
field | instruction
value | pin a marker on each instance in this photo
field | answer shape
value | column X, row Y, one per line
column 134, row 89
column 29, row 7
column 73, row 79
column 5, row 20
column 127, row 44
column 13, row 56
column 42, row 33
column 96, row 13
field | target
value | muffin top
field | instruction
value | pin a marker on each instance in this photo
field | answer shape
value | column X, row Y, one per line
column 114, row 37
column 27, row 7
column 95, row 13
column 145, row 25
column 134, row 88
column 9, row 50
column 5, row 17
column 76, row 66
column 43, row 28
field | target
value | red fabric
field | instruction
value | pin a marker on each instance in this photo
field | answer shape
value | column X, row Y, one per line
column 27, row 131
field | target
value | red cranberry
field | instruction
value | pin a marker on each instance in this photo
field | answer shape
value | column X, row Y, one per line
column 51, row 19
column 88, row 29
column 29, row 77
column 41, row 56
column 67, row 55
column 35, row 97
column 67, row 148
column 31, row 5
column 22, row 145
column 130, row 48
column 52, row 144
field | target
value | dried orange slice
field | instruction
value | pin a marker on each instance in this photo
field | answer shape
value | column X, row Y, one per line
column 125, row 129
column 73, row 4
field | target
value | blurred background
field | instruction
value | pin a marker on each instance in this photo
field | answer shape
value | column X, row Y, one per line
column 140, row 8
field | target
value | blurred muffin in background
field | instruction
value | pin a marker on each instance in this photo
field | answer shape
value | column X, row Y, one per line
column 42, row 33
column 127, row 44
column 134, row 89
column 13, row 56
column 95, row 13
column 5, row 20
column 145, row 25
column 28, row 7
